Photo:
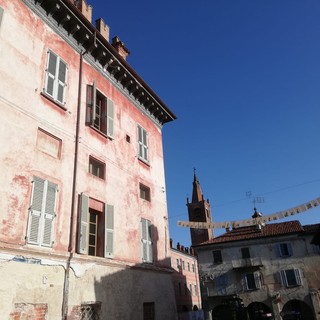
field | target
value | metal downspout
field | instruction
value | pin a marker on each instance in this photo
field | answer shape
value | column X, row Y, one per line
column 65, row 298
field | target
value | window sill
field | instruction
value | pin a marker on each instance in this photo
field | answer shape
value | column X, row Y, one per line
column 59, row 104
column 145, row 162
column 100, row 132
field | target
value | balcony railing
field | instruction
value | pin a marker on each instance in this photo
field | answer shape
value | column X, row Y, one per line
column 247, row 263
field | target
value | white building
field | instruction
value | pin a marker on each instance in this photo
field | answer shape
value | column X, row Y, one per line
column 272, row 268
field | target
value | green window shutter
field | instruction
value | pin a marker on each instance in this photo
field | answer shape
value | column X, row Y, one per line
column 84, row 224
column 109, row 230
column 34, row 222
column 110, row 118
column 49, row 214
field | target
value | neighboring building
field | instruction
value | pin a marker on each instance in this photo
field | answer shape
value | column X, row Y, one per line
column 84, row 228
column 185, row 279
column 272, row 268
column 199, row 210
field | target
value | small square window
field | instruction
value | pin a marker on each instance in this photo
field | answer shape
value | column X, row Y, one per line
column 217, row 257
column 285, row 249
column 96, row 168
column 245, row 252
column 144, row 192
column 148, row 311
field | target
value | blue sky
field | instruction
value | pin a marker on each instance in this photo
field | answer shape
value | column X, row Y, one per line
column 243, row 78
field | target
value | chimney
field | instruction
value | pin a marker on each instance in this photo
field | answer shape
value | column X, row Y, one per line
column 120, row 47
column 171, row 243
column 182, row 248
column 85, row 9
column 186, row 249
column 103, row 28
column 178, row 246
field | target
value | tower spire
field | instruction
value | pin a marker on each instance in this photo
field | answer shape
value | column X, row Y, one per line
column 197, row 194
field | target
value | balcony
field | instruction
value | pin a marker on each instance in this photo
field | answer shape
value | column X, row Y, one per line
column 248, row 263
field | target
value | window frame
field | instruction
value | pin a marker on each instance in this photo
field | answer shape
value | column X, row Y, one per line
column 143, row 149
column 245, row 253
column 42, row 212
column 107, row 112
column 101, row 166
column 54, row 78
column 217, row 257
column 297, row 277
column 105, row 231
column 255, row 278
column 285, row 249
column 144, row 192
column 149, row 311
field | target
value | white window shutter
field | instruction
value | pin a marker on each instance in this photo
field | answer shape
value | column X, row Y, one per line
column 110, row 118
column 84, row 224
column 145, row 145
column 150, row 245
column 49, row 214
column 89, row 104
column 144, row 241
column 51, row 73
column 245, row 282
column 283, row 278
column 257, row 280
column 34, row 222
column 297, row 273
column 62, row 81
column 109, row 230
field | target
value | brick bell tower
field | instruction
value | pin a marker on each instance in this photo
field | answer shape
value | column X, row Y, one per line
column 199, row 210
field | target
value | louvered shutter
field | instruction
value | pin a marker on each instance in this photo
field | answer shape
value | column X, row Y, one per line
column 297, row 273
column 257, row 280
column 110, row 118
column 140, row 142
column 109, row 230
column 244, row 282
column 150, row 245
column 49, row 214
column 145, row 144
column 62, row 81
column 84, row 224
column 51, row 73
column 144, row 241
column 283, row 278
column 89, row 104
column 34, row 222
column 94, row 102
column 289, row 249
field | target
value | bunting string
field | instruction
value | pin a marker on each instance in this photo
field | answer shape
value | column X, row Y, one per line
column 249, row 222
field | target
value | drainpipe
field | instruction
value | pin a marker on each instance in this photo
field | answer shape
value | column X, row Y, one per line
column 65, row 297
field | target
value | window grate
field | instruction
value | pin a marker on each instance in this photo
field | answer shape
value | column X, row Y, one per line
column 89, row 312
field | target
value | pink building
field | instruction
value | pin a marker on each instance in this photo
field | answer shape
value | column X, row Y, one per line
column 84, row 231
column 185, row 280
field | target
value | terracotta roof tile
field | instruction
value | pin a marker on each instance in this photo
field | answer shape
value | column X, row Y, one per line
column 252, row 232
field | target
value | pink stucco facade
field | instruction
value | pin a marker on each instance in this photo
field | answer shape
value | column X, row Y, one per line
column 39, row 139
